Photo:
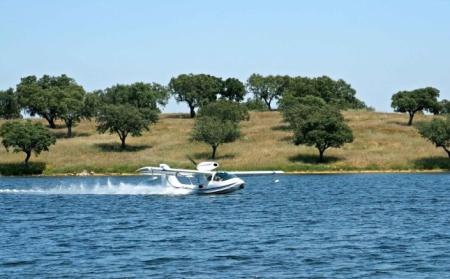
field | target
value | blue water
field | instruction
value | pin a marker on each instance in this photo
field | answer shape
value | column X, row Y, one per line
column 331, row 226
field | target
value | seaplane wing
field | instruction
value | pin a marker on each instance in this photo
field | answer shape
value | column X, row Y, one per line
column 245, row 173
column 170, row 171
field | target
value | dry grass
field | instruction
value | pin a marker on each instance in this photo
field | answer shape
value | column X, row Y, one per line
column 382, row 142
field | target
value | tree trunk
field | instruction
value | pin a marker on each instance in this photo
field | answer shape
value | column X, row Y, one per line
column 192, row 108
column 446, row 150
column 411, row 116
column 69, row 128
column 51, row 121
column 28, row 157
column 268, row 104
column 214, row 149
column 321, row 155
column 122, row 139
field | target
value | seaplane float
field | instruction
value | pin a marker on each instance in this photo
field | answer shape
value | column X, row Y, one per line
column 205, row 179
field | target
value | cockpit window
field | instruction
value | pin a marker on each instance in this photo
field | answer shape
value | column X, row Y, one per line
column 223, row 176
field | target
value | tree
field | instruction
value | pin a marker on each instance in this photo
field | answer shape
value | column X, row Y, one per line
column 215, row 132
column 318, row 124
column 92, row 104
column 195, row 90
column 444, row 107
column 438, row 132
column 124, row 120
column 268, row 88
column 225, row 110
column 294, row 109
column 218, row 123
column 140, row 95
column 334, row 92
column 72, row 107
column 27, row 137
column 422, row 99
column 233, row 90
column 9, row 104
column 45, row 96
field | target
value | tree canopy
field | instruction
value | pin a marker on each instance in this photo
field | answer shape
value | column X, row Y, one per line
column 215, row 132
column 141, row 95
column 438, row 132
column 422, row 99
column 124, row 120
column 218, row 123
column 46, row 96
column 334, row 92
column 9, row 104
column 72, row 108
column 267, row 88
column 300, row 108
column 317, row 124
column 225, row 110
column 27, row 137
column 196, row 90
column 233, row 90
column 444, row 107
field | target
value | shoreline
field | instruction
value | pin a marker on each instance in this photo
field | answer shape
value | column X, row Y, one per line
column 330, row 172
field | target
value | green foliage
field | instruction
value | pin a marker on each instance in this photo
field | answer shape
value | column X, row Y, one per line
column 218, row 123
column 47, row 96
column 438, row 132
column 225, row 110
column 26, row 136
column 337, row 93
column 317, row 124
column 267, row 88
column 233, row 90
column 16, row 169
column 215, row 132
column 72, row 107
column 195, row 90
column 9, row 104
column 141, row 95
column 293, row 109
column 92, row 104
column 418, row 100
column 444, row 107
column 255, row 104
column 125, row 120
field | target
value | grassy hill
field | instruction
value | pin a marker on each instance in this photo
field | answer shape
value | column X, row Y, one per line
column 382, row 142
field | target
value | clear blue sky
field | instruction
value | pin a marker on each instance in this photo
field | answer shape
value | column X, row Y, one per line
column 379, row 47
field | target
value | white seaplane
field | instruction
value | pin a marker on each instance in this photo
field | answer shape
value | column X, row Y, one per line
column 204, row 180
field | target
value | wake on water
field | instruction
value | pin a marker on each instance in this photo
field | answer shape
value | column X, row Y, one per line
column 100, row 189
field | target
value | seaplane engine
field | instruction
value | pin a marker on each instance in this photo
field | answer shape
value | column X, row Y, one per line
column 207, row 166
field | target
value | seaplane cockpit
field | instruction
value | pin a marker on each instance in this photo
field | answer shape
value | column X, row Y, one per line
column 203, row 180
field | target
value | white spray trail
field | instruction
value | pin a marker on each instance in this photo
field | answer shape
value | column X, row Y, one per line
column 109, row 188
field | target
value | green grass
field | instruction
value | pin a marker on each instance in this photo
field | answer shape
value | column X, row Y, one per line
column 383, row 142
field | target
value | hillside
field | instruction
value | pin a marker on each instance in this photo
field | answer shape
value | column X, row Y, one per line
column 382, row 142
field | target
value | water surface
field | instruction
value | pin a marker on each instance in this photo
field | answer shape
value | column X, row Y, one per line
column 332, row 226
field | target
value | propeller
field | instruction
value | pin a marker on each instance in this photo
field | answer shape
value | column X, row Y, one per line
column 192, row 160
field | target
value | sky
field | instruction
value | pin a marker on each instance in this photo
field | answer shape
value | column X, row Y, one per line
column 379, row 47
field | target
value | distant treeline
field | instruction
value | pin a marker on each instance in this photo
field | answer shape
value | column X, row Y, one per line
column 56, row 97
column 311, row 107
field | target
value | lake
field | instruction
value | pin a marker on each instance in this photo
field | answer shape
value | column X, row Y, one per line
column 331, row 226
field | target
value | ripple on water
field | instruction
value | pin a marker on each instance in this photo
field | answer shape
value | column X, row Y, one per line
column 330, row 226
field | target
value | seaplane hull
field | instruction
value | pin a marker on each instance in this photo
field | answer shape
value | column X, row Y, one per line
column 204, row 180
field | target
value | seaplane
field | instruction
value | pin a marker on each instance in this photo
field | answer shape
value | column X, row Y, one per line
column 205, row 179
